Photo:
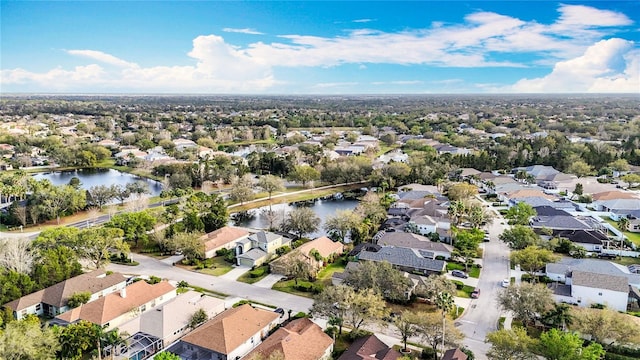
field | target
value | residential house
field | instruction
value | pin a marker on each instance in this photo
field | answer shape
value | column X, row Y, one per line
column 369, row 348
column 258, row 248
column 591, row 240
column 170, row 321
column 223, row 238
column 559, row 220
column 182, row 144
column 301, row 339
column 108, row 143
column 454, row 354
column 229, row 336
column 326, row 248
column 53, row 300
column 415, row 241
column 409, row 260
column 115, row 309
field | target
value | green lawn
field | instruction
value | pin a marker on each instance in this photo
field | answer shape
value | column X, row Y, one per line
column 474, row 271
column 626, row 261
column 217, row 266
column 288, row 287
column 465, row 292
column 247, row 278
column 633, row 237
column 324, row 276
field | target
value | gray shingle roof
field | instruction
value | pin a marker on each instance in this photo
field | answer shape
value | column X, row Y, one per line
column 403, row 257
column 567, row 265
column 412, row 241
column 559, row 223
column 600, row 281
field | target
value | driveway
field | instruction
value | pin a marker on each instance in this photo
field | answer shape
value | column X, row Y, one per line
column 468, row 281
column 150, row 266
column 235, row 273
column 268, row 281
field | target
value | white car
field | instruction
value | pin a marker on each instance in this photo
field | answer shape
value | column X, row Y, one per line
column 505, row 283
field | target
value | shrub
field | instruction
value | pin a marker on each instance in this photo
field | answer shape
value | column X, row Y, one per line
column 283, row 250
column 332, row 331
column 358, row 333
column 153, row 280
column 427, row 353
column 439, row 257
column 257, row 272
column 459, row 284
column 241, row 302
column 222, row 252
column 183, row 284
column 230, row 257
column 598, row 306
column 300, row 315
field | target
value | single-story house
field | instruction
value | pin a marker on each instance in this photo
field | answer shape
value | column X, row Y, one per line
column 591, row 240
column 369, row 348
column 182, row 144
column 409, row 260
column 223, row 238
column 454, row 354
column 327, row 248
column 230, row 335
column 53, row 300
column 301, row 339
column 115, row 309
column 415, row 241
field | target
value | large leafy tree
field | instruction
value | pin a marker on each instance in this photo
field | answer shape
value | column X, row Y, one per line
column 511, row 344
column 304, row 174
column 271, row 184
column 189, row 244
column 434, row 285
column 519, row 237
column 406, row 326
column 78, row 340
column 526, row 301
column 343, row 305
column 58, row 200
column 382, row 278
column 28, row 339
column 533, row 258
column 430, row 331
column 301, row 221
column 55, row 265
column 520, row 214
column 560, row 345
column 241, row 189
column 339, row 225
column 461, row 191
column 134, row 224
column 605, row 325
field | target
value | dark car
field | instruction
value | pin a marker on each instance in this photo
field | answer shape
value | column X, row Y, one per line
column 279, row 311
column 475, row 294
column 459, row 273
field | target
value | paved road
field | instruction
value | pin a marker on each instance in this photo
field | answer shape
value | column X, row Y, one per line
column 150, row 266
column 482, row 316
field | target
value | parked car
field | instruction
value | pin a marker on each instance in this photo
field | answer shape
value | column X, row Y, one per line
column 487, row 238
column 475, row 294
column 279, row 311
column 459, row 273
column 505, row 283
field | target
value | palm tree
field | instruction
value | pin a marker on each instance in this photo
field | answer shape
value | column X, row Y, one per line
column 444, row 302
column 623, row 224
column 558, row 317
column 456, row 211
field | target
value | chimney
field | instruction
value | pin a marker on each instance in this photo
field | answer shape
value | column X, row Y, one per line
column 123, row 293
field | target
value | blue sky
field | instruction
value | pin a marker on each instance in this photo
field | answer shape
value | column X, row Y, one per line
column 319, row 47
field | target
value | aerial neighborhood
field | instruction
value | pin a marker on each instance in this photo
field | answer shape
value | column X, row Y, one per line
column 318, row 228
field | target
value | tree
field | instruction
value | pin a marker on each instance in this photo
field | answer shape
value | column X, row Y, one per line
column 16, row 255
column 631, row 179
column 339, row 225
column 580, row 168
column 304, row 174
column 456, row 211
column 620, row 165
column 382, row 278
column 461, row 191
column 100, row 195
column 55, row 265
column 444, row 302
column 433, row 285
column 189, row 244
column 533, row 258
column 270, row 184
column 519, row 237
column 166, row 356
column 20, row 213
column 197, row 318
column 78, row 298
column 57, row 200
column 477, row 215
column 407, row 326
column 520, row 214
column 466, row 242
column 302, row 221
column 559, row 317
column 623, row 224
column 78, row 339
column 297, row 266
column 241, row 189
column 526, row 301
column 605, row 325
column 370, row 207
column 579, row 189
column 346, row 306
column 95, row 244
column 28, row 340
column 180, row 181
column 53, row 237
column 560, row 345
column 512, row 344
column 430, row 331
column 134, row 224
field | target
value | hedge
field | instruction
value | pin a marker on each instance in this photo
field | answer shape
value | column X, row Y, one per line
column 257, row 272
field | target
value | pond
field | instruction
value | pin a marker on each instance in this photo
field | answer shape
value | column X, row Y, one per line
column 92, row 177
column 322, row 208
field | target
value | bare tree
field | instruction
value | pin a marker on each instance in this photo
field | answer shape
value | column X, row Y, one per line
column 20, row 212
column 16, row 255
column 93, row 213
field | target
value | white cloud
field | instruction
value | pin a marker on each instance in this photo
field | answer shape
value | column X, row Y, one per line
column 102, row 57
column 581, row 15
column 597, row 70
column 362, row 20
column 243, row 31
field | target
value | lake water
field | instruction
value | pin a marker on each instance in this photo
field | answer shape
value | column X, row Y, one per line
column 92, row 177
column 322, row 208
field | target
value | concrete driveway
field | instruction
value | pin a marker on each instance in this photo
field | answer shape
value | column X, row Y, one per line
column 269, row 281
column 468, row 281
column 234, row 274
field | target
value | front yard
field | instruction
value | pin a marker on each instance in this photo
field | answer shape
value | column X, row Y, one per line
column 253, row 276
column 215, row 266
column 474, row 271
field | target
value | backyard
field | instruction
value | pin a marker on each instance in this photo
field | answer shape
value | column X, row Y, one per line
column 633, row 237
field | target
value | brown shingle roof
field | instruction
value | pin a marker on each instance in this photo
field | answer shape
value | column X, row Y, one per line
column 58, row 294
column 230, row 329
column 111, row 306
column 369, row 348
column 222, row 236
column 613, row 195
column 529, row 193
column 301, row 339
column 454, row 354
column 325, row 246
